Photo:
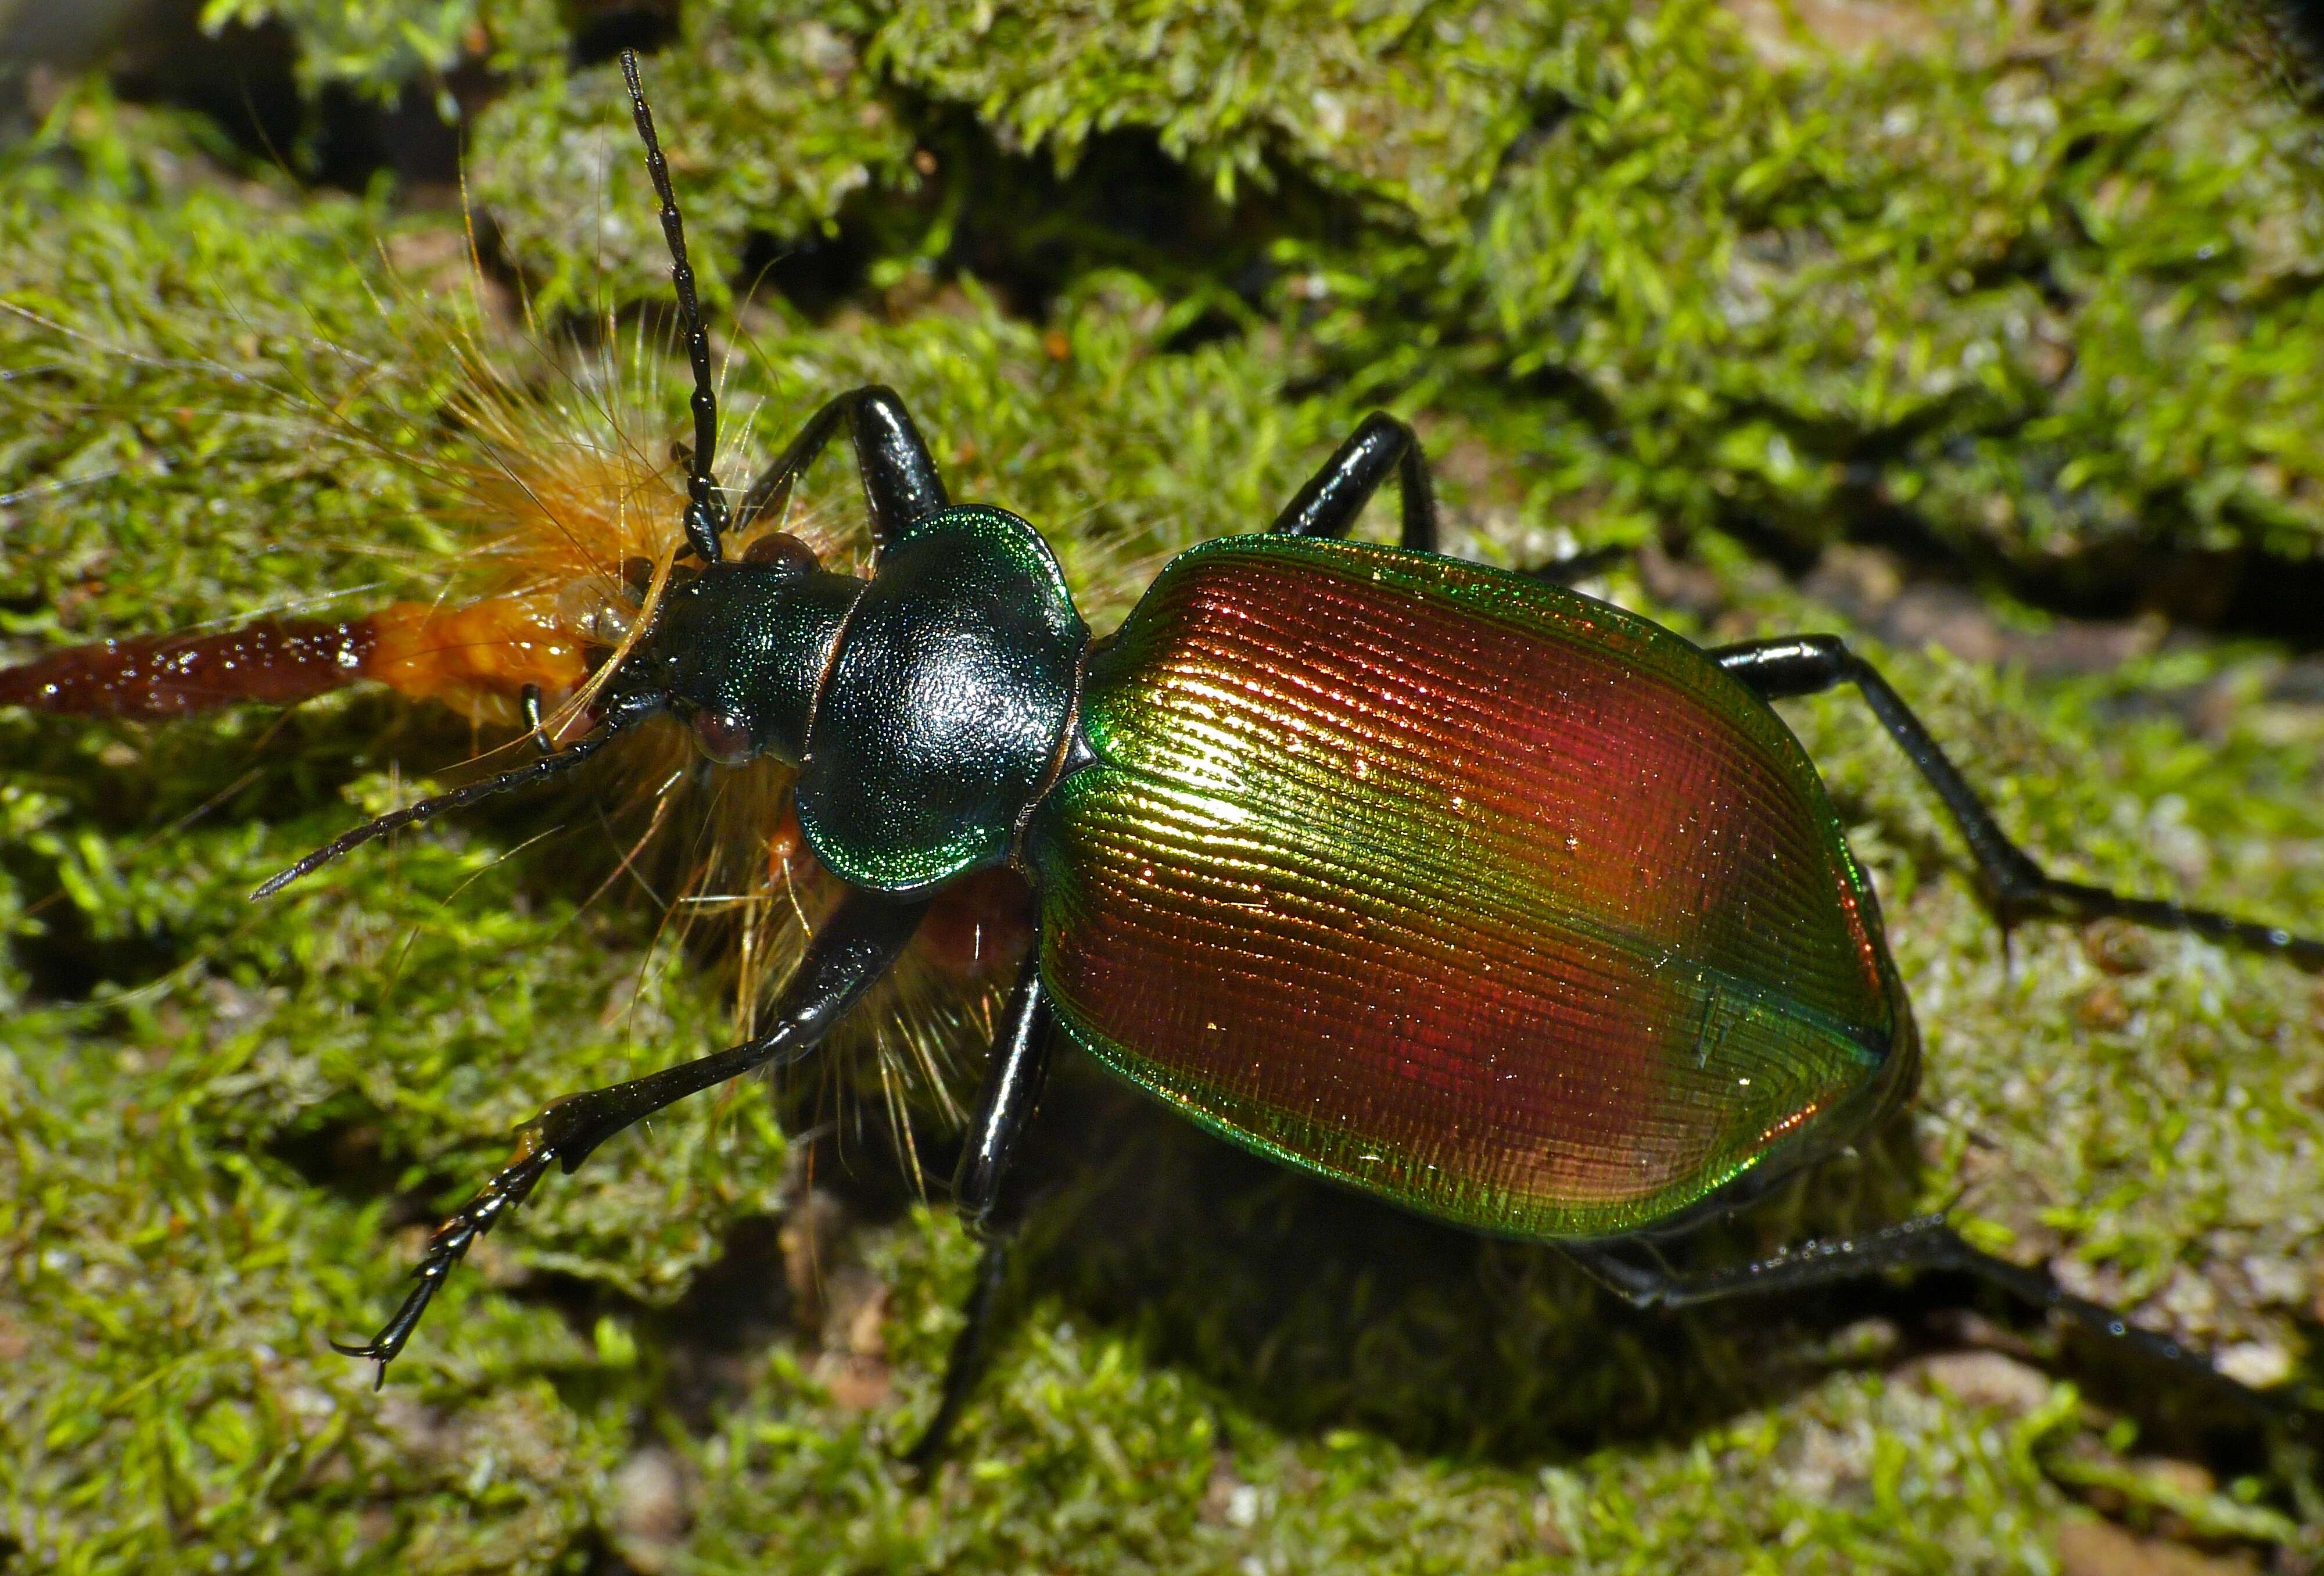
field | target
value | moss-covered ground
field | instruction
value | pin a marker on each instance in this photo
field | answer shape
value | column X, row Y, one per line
column 1926, row 326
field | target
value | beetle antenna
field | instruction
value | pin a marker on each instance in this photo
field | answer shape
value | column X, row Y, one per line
column 429, row 809
column 705, row 515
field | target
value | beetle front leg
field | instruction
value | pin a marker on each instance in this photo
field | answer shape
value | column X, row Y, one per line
column 1810, row 664
column 1328, row 505
column 1926, row 1243
column 1013, row 1081
column 854, row 947
column 901, row 483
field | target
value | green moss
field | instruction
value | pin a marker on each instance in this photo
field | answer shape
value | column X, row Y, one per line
column 799, row 126
column 1408, row 104
column 2038, row 304
column 2036, row 281
column 380, row 48
column 2048, row 307
column 227, row 1124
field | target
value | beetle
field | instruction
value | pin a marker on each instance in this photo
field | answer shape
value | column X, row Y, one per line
column 1446, row 883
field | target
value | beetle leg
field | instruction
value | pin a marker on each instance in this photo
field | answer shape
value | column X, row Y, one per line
column 1926, row 1243
column 528, row 703
column 901, row 483
column 1013, row 1081
column 1808, row 664
column 1327, row 506
column 1576, row 568
column 854, row 947
column 964, row 1365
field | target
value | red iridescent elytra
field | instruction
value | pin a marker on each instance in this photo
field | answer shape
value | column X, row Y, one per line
column 1472, row 892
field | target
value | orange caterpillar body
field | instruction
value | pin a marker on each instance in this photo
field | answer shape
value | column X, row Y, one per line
column 575, row 529
column 478, row 659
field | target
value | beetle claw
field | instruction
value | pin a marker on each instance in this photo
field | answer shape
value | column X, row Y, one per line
column 368, row 1350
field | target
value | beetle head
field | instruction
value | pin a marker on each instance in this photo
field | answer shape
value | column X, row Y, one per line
column 737, row 651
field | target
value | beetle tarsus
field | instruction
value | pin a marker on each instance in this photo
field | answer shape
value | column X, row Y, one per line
column 449, row 1245
column 855, row 946
column 2073, row 900
column 1924, row 1243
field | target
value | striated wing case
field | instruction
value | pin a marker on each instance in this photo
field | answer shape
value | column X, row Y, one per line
column 1472, row 892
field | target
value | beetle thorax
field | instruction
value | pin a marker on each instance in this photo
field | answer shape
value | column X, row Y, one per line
column 927, row 708
column 945, row 712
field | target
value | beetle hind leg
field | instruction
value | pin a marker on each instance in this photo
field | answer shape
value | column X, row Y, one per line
column 2021, row 888
column 451, row 1243
column 1632, row 1272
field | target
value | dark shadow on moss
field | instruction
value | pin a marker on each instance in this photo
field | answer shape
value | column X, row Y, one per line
column 707, row 1341
column 63, row 959
column 603, row 28
column 244, row 78
column 1315, row 1308
column 2297, row 29
column 817, row 274
column 240, row 76
column 2226, row 592
column 345, row 1157
column 173, row 776
column 1011, row 221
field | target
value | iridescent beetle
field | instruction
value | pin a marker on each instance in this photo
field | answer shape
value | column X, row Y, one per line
column 1472, row 892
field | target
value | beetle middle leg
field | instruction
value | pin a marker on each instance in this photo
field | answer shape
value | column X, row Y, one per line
column 528, row 702
column 901, row 483
column 1810, row 664
column 1013, row 1081
column 1328, row 505
column 1927, row 1242
column 1334, row 496
column 854, row 947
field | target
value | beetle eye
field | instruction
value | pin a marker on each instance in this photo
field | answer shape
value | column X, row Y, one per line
column 725, row 738
column 782, row 548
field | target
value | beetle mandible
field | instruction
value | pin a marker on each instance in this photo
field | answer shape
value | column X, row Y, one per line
column 1444, row 882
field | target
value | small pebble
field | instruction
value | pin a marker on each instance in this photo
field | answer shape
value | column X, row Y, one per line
column 649, row 1498
column 1985, row 1379
column 2258, row 1364
column 2100, row 1548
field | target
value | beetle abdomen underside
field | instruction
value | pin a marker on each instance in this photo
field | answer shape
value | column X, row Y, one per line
column 1481, row 895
